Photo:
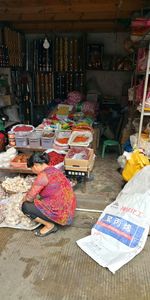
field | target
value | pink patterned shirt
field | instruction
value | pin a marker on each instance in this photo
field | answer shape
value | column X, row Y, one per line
column 57, row 199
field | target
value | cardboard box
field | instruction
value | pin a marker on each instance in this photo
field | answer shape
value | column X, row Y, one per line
column 80, row 164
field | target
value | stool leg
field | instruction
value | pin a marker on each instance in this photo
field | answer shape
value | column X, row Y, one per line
column 120, row 149
column 103, row 151
column 84, row 184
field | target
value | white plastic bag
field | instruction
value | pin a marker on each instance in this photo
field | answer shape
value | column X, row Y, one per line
column 121, row 231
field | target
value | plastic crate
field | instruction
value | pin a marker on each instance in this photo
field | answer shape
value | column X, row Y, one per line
column 47, row 143
column 21, row 141
column 34, row 140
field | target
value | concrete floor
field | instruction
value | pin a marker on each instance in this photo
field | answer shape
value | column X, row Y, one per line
column 55, row 268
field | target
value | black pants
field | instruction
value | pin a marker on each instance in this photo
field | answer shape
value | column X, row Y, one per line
column 30, row 210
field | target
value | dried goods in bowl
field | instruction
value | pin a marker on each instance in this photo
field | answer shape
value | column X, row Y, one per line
column 80, row 138
column 22, row 128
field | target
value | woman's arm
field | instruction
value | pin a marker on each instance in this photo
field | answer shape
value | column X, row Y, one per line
column 40, row 182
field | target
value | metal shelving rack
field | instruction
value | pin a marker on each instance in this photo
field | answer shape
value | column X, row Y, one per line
column 143, row 112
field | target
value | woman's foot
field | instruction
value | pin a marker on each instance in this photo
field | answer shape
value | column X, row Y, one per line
column 46, row 228
column 44, row 231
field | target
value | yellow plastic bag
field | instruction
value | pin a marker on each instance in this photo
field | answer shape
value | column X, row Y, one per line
column 136, row 162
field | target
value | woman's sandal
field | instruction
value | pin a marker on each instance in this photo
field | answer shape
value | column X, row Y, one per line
column 38, row 233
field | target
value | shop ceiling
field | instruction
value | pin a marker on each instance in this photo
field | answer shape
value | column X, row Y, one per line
column 38, row 16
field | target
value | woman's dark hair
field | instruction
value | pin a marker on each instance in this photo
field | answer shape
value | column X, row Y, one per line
column 38, row 158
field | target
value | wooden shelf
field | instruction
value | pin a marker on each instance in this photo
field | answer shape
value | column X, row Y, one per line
column 100, row 70
column 16, row 170
column 28, row 148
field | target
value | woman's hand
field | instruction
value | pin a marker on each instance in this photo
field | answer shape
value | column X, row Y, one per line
column 24, row 199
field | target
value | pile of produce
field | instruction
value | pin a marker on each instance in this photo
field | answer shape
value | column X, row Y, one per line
column 55, row 158
column 62, row 140
column 21, row 158
column 17, row 184
column 11, row 213
column 80, row 139
column 10, row 203
column 3, row 193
